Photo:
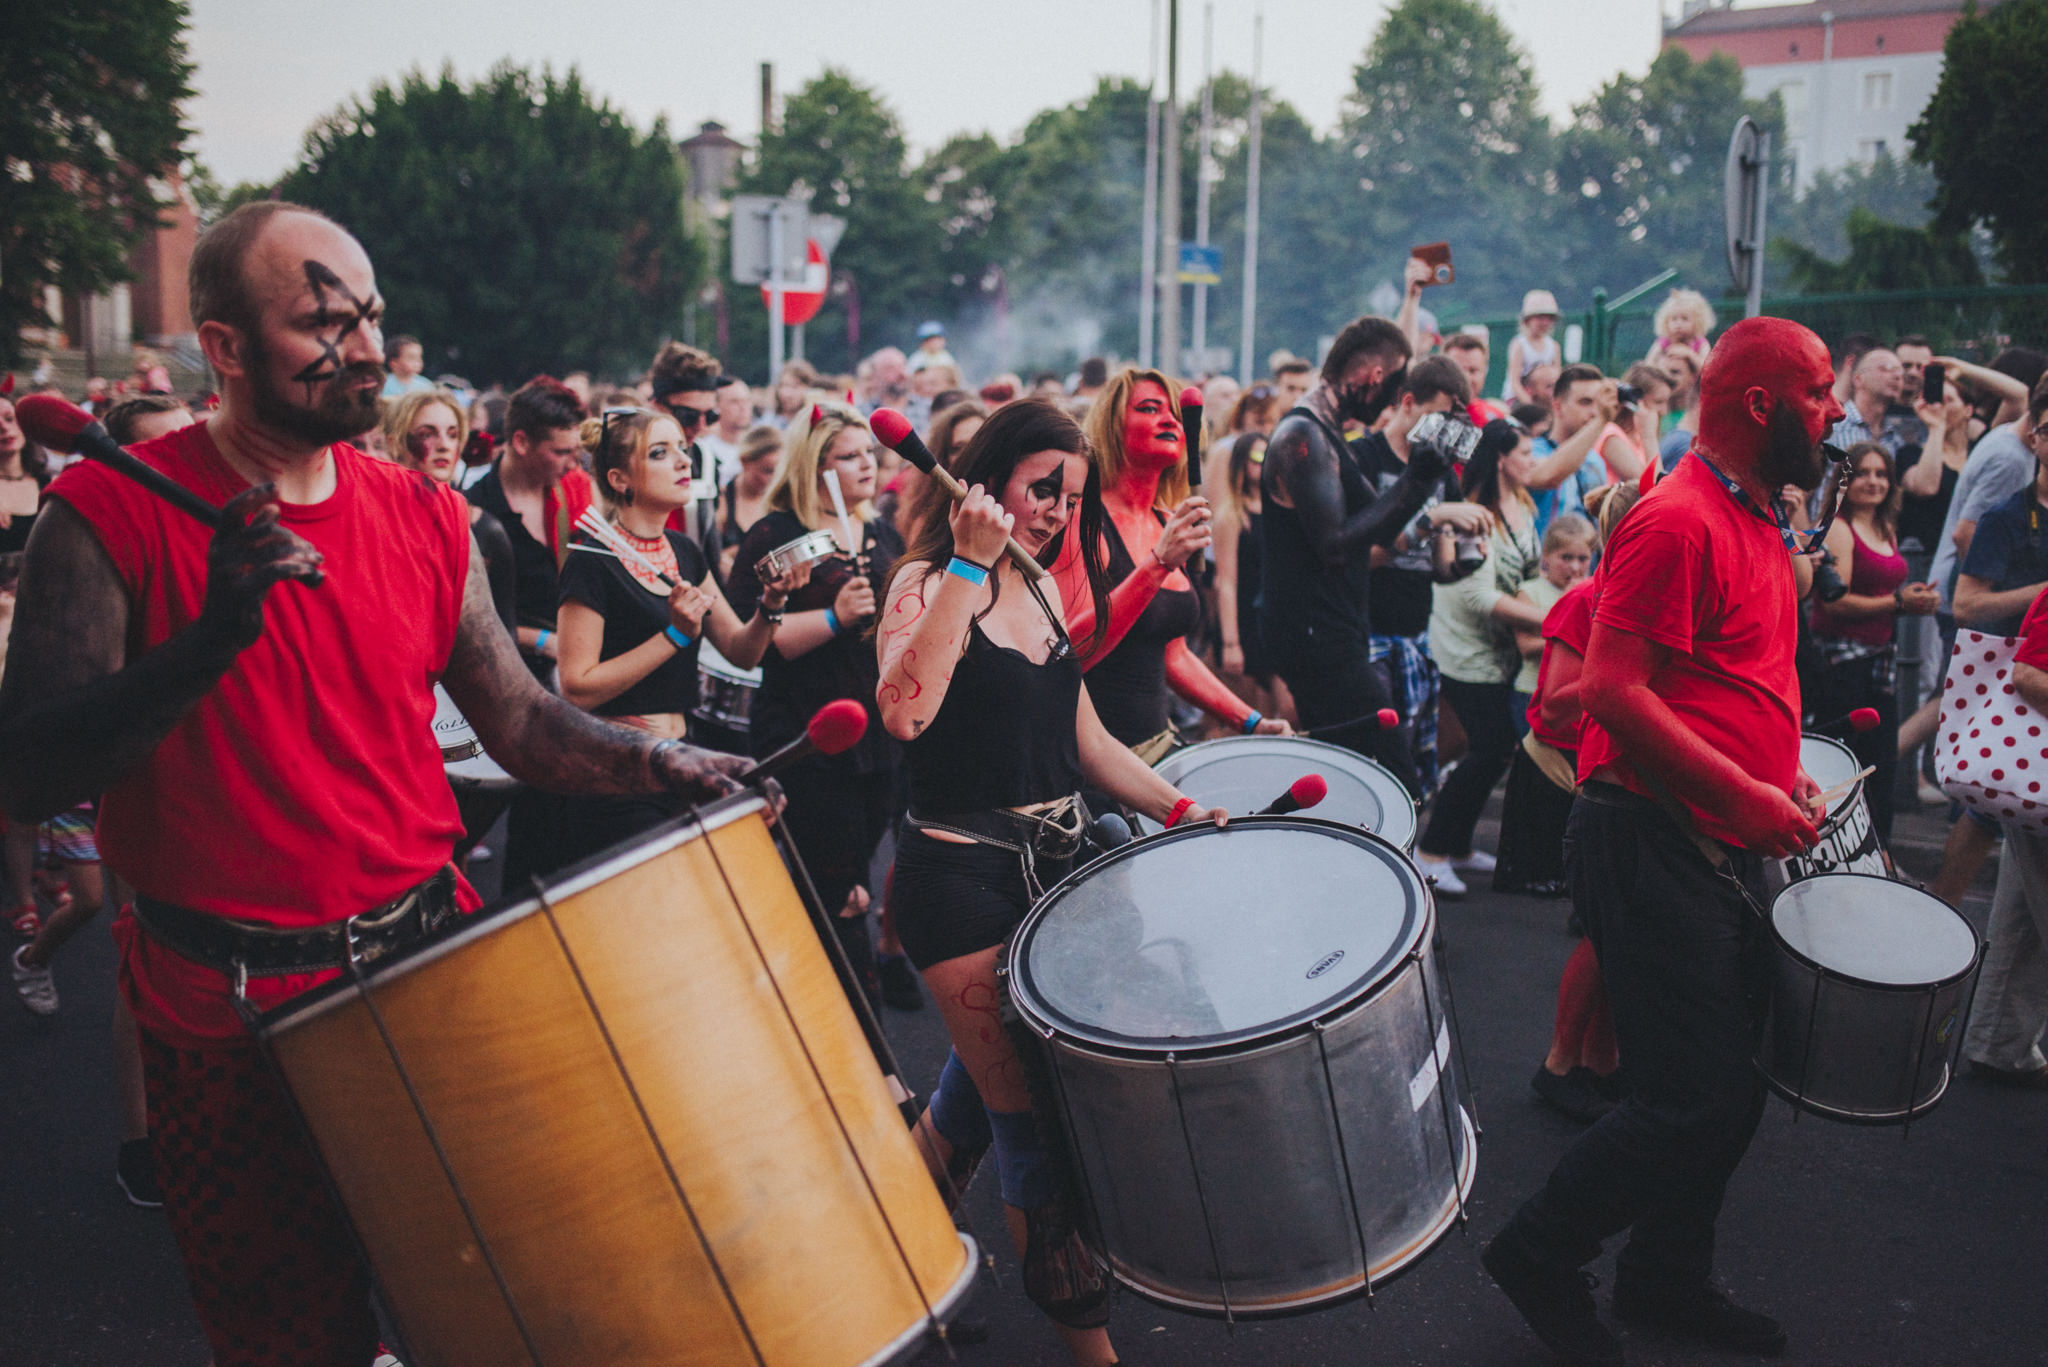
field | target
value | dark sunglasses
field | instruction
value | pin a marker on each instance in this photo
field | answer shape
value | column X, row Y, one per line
column 690, row 417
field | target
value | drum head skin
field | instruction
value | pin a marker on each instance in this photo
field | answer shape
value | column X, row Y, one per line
column 1874, row 930
column 1242, row 774
column 1829, row 762
column 1203, row 937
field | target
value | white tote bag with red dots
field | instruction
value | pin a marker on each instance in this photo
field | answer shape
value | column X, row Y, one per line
column 1991, row 753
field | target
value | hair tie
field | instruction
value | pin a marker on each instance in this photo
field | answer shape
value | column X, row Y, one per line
column 817, row 415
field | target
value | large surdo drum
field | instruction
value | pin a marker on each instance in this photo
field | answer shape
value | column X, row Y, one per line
column 1244, row 773
column 633, row 1121
column 1250, row 1043
column 1869, row 993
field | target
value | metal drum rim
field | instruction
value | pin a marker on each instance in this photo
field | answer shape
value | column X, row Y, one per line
column 576, row 878
column 1849, row 979
column 944, row 1307
column 1414, row 814
column 1040, row 1023
column 1467, row 1178
column 1848, row 799
column 1873, row 1119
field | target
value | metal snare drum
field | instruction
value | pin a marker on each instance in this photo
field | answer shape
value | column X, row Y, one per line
column 1848, row 840
column 1870, row 983
column 1244, row 773
column 725, row 692
column 1250, row 1046
column 452, row 731
column 806, row 549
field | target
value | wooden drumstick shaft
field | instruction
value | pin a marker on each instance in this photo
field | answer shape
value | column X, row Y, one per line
column 1019, row 557
column 1826, row 799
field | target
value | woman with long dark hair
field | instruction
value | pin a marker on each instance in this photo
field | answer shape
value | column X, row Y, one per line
column 1855, row 634
column 981, row 683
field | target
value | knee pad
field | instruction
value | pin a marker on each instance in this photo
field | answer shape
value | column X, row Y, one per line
column 956, row 1110
column 1022, row 1156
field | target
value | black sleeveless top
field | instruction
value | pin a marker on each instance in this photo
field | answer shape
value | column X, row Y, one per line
column 1004, row 736
column 1128, row 685
column 1302, row 601
column 632, row 616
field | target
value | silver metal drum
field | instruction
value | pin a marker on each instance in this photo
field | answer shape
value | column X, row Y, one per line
column 452, row 731
column 1848, row 840
column 1251, row 1047
column 725, row 692
column 1870, row 990
column 807, row 549
column 1245, row 773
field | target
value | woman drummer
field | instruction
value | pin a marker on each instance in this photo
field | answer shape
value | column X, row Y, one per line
column 979, row 680
column 1141, row 464
column 838, row 806
column 629, row 627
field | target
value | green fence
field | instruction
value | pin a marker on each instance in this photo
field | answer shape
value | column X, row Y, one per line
column 1973, row 323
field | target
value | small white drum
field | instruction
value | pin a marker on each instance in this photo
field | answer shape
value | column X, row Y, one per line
column 1848, row 841
column 807, row 549
column 725, row 692
column 1250, row 1045
column 1870, row 988
column 1243, row 774
column 452, row 731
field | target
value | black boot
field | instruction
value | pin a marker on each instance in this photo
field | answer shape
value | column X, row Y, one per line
column 1556, row 1305
column 1702, row 1313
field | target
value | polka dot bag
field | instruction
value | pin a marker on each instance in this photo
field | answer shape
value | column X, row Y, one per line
column 1991, row 753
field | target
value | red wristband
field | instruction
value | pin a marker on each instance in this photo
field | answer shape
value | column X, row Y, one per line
column 1180, row 809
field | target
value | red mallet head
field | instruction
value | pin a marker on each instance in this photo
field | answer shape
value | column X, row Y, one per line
column 1863, row 719
column 52, row 422
column 838, row 726
column 1191, row 402
column 1308, row 790
column 1388, row 718
column 894, row 431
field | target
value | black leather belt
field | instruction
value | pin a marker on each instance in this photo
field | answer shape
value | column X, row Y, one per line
column 246, row 949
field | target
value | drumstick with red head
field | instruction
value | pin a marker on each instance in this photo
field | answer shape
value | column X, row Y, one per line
column 894, row 431
column 1386, row 719
column 1303, row 793
column 59, row 425
column 833, row 730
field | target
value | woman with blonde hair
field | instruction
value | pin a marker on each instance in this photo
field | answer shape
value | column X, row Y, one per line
column 425, row 430
column 839, row 806
column 1153, row 527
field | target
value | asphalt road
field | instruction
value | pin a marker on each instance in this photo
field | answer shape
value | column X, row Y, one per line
column 1870, row 1247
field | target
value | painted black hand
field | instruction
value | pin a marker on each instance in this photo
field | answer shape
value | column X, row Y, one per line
column 248, row 554
column 699, row 775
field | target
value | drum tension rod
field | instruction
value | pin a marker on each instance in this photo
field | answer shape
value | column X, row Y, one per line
column 1344, row 1158
column 1201, row 1195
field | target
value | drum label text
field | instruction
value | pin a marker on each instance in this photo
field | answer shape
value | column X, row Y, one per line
column 1326, row 963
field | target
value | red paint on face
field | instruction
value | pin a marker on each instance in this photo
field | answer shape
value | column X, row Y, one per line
column 1151, row 431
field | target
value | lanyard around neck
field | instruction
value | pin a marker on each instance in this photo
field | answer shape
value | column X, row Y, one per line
column 1813, row 537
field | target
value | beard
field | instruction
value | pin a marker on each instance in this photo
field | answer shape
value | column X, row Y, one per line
column 1365, row 403
column 343, row 406
column 1789, row 455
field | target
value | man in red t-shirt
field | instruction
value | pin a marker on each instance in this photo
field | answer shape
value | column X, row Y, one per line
column 2010, row 1014
column 255, row 704
column 1688, row 759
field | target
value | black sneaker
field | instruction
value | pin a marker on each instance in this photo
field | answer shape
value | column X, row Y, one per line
column 135, row 1174
column 899, row 984
column 1575, row 1095
column 1703, row 1314
column 1557, row 1306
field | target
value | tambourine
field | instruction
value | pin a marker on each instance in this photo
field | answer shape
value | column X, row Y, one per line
column 807, row 549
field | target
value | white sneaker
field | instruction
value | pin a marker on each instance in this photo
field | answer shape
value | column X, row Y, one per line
column 38, row 990
column 1442, row 873
column 1479, row 861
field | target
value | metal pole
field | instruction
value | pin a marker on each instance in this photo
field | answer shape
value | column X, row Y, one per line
column 1201, row 318
column 1148, row 231
column 1246, row 371
column 1755, row 303
column 774, row 293
column 1169, row 200
column 796, row 342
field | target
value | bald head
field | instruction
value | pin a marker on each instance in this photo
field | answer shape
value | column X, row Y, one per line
column 1764, row 369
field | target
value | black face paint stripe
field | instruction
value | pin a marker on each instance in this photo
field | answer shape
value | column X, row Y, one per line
column 320, row 279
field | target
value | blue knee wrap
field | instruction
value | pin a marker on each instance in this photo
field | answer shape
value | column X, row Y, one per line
column 1021, row 1155
column 956, row 1109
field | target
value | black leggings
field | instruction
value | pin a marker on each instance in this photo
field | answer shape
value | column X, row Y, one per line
column 834, row 820
column 1487, row 712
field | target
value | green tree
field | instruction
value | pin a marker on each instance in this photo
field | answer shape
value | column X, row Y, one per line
column 1446, row 141
column 516, row 224
column 839, row 146
column 1884, row 256
column 1991, row 104
column 1640, row 174
column 1889, row 188
column 89, row 125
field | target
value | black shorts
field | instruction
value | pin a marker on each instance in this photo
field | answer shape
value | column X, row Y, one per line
column 952, row 900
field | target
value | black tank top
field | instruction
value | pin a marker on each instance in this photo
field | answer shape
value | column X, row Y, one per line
column 1302, row 601
column 1128, row 685
column 1004, row 736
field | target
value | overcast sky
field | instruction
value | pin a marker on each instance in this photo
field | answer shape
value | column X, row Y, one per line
column 265, row 72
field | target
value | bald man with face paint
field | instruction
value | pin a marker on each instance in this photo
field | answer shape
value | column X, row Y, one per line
column 1689, row 759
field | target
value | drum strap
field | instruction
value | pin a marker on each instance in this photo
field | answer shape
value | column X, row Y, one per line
column 1551, row 761
column 1054, row 832
column 247, row 949
column 1156, row 748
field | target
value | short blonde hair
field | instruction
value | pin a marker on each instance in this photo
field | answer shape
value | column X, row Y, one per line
column 401, row 413
column 1684, row 302
column 809, row 436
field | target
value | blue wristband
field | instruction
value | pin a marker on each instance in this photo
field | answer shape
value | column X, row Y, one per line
column 974, row 574
column 540, row 642
column 1251, row 723
column 676, row 636
column 832, row 621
